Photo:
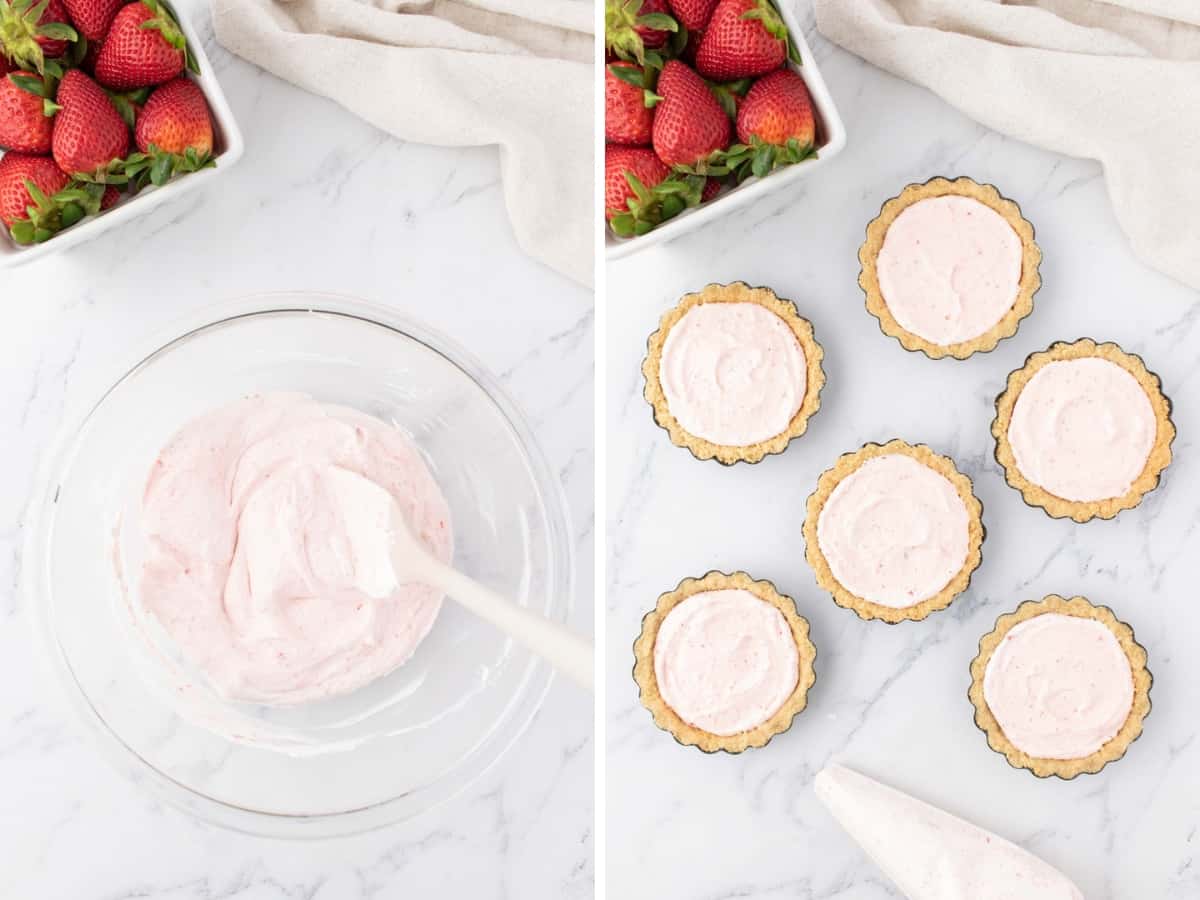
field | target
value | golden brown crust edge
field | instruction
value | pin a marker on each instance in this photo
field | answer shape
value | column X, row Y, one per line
column 866, row 609
column 737, row 292
column 1111, row 751
column 1031, row 258
column 667, row 719
column 1156, row 462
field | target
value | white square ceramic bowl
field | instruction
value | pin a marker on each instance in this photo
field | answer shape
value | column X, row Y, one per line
column 227, row 149
column 831, row 131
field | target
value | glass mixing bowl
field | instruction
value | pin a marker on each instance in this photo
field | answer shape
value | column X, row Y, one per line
column 391, row 750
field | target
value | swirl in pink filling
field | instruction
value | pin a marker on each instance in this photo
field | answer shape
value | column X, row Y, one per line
column 250, row 562
column 725, row 661
column 1059, row 686
column 1082, row 429
column 894, row 531
column 949, row 268
column 733, row 373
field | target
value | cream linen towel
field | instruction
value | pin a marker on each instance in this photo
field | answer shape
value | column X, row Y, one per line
column 458, row 73
column 1118, row 82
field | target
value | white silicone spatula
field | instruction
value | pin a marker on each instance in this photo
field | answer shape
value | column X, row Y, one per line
column 388, row 553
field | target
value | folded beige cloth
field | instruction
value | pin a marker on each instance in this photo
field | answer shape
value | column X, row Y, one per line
column 1118, row 82
column 515, row 73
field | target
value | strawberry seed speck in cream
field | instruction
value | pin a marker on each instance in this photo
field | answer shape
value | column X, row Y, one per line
column 733, row 373
column 949, row 268
column 249, row 561
column 1082, row 429
column 1059, row 686
column 725, row 661
column 894, row 531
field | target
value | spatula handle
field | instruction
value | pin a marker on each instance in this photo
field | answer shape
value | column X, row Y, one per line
column 566, row 651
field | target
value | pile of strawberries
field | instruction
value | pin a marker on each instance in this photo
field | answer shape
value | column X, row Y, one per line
column 683, row 79
column 95, row 101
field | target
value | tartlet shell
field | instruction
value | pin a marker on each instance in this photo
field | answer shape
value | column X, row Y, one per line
column 866, row 609
column 987, row 194
column 667, row 719
column 1160, row 453
column 735, row 292
column 1114, row 749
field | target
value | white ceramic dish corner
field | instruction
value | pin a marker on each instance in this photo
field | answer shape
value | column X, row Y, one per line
column 228, row 147
column 833, row 132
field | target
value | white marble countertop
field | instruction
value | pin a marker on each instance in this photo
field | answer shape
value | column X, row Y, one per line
column 320, row 201
column 892, row 700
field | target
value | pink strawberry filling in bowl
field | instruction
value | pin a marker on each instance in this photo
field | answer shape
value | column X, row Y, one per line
column 290, row 747
column 707, row 108
column 109, row 128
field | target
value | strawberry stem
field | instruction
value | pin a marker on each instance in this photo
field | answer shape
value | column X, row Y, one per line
column 622, row 19
column 47, row 216
column 767, row 13
column 20, row 30
column 158, row 167
column 165, row 22
column 759, row 158
column 650, row 207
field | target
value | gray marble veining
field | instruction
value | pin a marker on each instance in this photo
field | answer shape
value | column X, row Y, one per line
column 891, row 700
column 320, row 201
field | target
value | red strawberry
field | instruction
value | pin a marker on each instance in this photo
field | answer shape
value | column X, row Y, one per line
column 24, row 125
column 775, row 125
column 689, row 124
column 712, row 187
column 632, row 26
column 640, row 192
column 693, row 14
column 777, row 109
column 89, row 133
column 5, row 65
column 28, row 39
column 627, row 118
column 175, row 119
column 744, row 38
column 144, row 46
column 54, row 40
column 651, row 36
column 92, row 18
column 174, row 134
column 641, row 162
column 110, row 197
column 15, row 170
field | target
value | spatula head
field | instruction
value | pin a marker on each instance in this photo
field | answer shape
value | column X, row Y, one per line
column 384, row 550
